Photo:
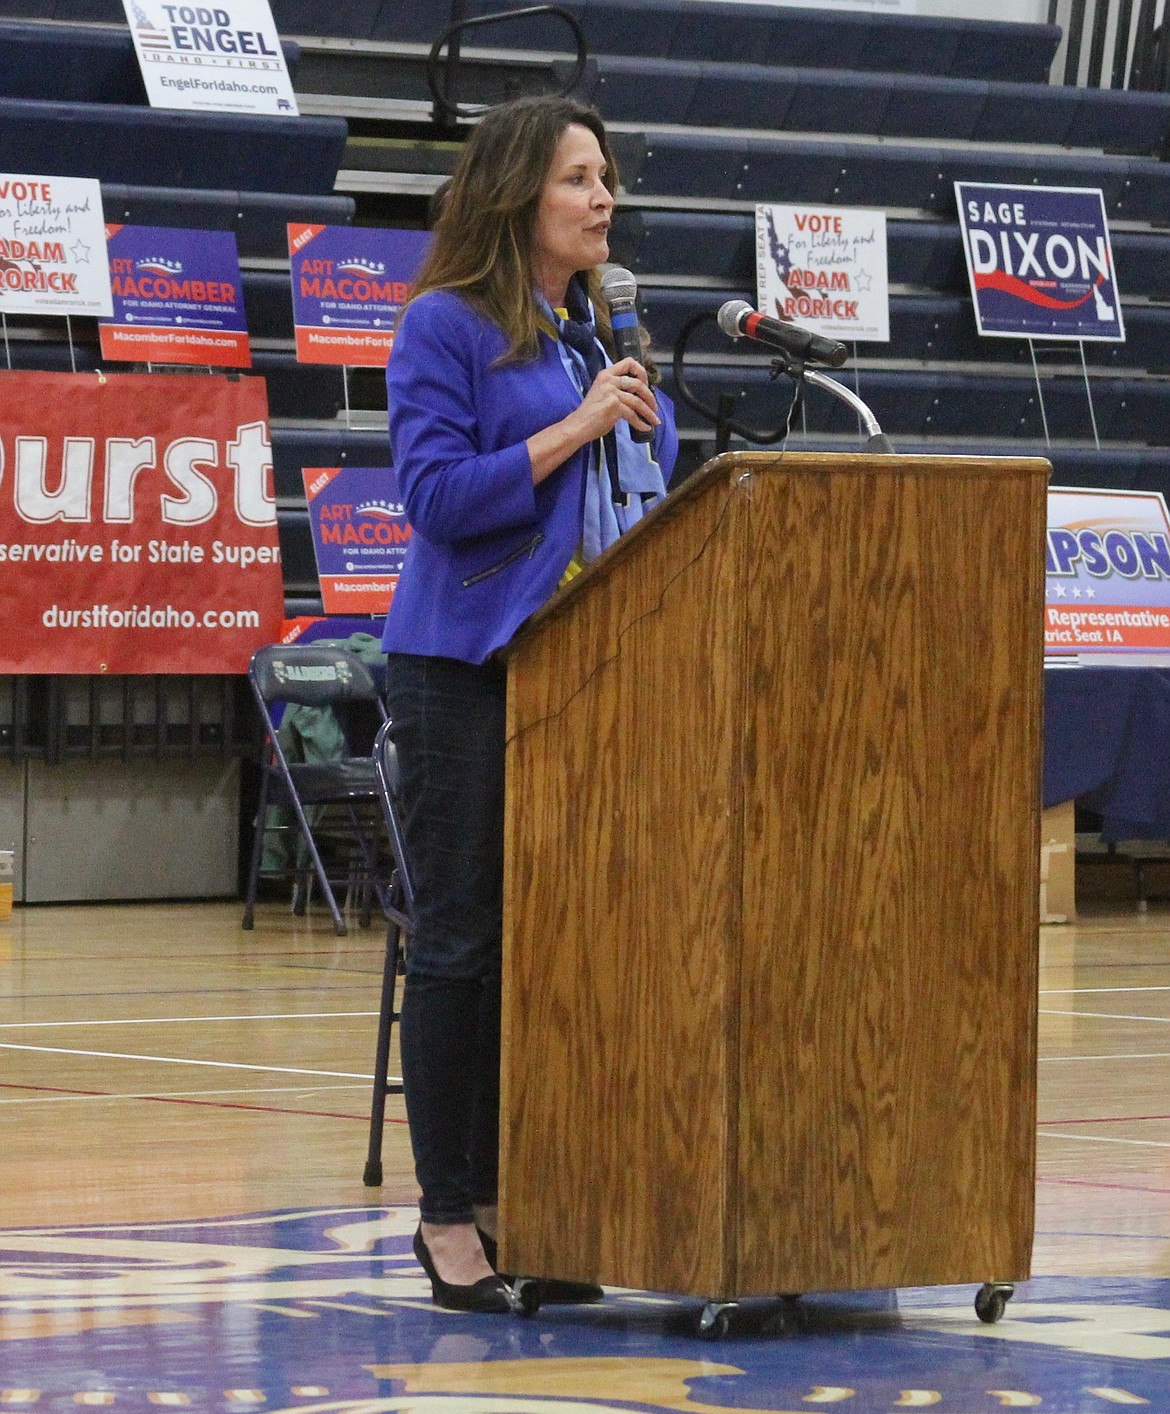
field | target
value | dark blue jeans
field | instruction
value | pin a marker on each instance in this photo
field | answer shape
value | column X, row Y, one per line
column 448, row 730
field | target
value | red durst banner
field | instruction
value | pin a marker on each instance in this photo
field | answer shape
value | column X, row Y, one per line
column 137, row 523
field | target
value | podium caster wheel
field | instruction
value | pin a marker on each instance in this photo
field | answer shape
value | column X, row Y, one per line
column 714, row 1321
column 991, row 1299
column 527, row 1295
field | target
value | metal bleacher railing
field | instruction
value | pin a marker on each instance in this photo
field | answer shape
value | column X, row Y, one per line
column 1133, row 38
column 444, row 83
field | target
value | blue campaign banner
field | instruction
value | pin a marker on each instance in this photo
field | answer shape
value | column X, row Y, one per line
column 360, row 535
column 178, row 297
column 1039, row 262
column 348, row 284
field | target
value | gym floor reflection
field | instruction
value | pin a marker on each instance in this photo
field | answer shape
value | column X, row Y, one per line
column 183, row 1115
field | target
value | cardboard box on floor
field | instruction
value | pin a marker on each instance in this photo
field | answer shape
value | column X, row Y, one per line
column 1058, row 902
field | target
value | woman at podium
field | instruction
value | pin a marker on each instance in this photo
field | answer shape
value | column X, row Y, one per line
column 510, row 425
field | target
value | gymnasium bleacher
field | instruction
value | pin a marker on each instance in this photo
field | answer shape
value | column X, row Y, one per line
column 712, row 107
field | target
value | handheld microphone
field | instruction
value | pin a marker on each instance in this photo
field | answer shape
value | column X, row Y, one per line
column 739, row 320
column 621, row 290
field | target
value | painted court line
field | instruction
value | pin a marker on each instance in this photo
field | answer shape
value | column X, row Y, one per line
column 1101, row 1139
column 1103, row 1016
column 1106, row 1119
column 183, row 1060
column 1122, row 1055
column 1092, row 991
column 55, row 1095
column 182, row 1020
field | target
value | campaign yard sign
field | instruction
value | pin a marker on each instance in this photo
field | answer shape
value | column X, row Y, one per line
column 137, row 523
column 312, row 628
column 824, row 268
column 348, row 285
column 52, row 246
column 1107, row 586
column 178, row 297
column 1039, row 262
column 225, row 56
column 360, row 535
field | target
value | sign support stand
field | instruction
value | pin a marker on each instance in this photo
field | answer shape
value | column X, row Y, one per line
column 72, row 350
column 1039, row 392
column 1088, row 392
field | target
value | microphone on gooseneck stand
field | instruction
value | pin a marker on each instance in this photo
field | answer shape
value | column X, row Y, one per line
column 621, row 290
column 739, row 320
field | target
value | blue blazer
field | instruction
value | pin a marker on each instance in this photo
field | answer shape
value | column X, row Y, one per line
column 487, row 548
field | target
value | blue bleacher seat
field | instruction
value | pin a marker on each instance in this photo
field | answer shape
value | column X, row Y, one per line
column 897, row 175
column 298, row 562
column 937, row 328
column 418, row 22
column 345, row 19
column 942, row 404
column 927, row 106
column 824, row 100
column 90, row 11
column 166, row 147
column 268, row 304
column 67, row 64
column 998, row 50
column 294, row 448
column 625, row 89
column 750, row 95
column 715, row 244
column 773, row 35
column 1028, row 113
column 259, row 219
column 1124, row 120
column 301, row 390
column 925, row 254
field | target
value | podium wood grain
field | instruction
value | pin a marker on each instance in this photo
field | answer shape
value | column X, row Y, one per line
column 771, row 891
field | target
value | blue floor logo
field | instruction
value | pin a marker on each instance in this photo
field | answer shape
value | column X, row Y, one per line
column 326, row 1312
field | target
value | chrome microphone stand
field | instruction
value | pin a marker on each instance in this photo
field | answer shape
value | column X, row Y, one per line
column 877, row 441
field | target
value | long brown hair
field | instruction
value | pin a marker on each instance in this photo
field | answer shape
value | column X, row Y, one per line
column 484, row 235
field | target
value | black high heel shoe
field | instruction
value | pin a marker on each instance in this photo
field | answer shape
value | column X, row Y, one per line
column 488, row 1295
column 553, row 1292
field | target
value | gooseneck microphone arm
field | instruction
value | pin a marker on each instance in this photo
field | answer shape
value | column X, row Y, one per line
column 877, row 441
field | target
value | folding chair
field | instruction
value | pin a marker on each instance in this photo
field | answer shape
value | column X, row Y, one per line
column 399, row 914
column 334, row 802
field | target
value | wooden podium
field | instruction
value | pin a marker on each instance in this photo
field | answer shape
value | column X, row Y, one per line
column 771, row 893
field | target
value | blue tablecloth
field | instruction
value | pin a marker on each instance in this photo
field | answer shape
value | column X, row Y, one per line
column 1107, row 745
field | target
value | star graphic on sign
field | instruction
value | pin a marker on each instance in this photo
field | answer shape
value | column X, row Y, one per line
column 1076, row 593
column 80, row 253
column 1090, row 594
column 864, row 280
column 1060, row 591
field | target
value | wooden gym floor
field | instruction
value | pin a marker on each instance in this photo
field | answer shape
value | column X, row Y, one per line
column 163, row 1070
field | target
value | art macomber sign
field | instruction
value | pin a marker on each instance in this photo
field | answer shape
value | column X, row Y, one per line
column 824, row 268
column 225, row 56
column 1039, row 262
column 1108, row 575
column 348, row 284
column 137, row 523
column 177, row 297
column 360, row 535
column 52, row 246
